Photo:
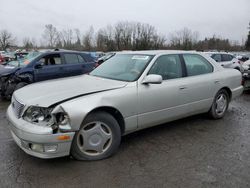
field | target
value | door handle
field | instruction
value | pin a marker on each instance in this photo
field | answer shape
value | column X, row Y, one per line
column 217, row 81
column 182, row 87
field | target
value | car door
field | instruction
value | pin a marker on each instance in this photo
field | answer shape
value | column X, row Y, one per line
column 74, row 64
column 163, row 102
column 49, row 66
column 200, row 84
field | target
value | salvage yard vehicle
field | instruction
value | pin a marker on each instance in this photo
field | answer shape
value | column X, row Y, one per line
column 45, row 66
column 246, row 75
column 85, row 116
column 226, row 60
column 105, row 57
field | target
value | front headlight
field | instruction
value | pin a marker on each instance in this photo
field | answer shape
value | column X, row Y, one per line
column 53, row 117
column 39, row 115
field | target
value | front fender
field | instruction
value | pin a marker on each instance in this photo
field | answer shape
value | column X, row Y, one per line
column 124, row 100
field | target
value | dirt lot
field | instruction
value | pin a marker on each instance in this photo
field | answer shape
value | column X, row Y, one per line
column 193, row 152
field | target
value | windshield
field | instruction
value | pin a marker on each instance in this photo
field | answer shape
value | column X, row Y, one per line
column 25, row 60
column 124, row 67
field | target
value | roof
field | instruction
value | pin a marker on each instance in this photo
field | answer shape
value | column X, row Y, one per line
column 217, row 53
column 156, row 52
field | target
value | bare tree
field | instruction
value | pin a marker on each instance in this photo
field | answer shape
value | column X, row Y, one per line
column 51, row 35
column 27, row 43
column 6, row 39
column 77, row 43
column 123, row 35
column 101, row 40
column 247, row 44
column 183, row 39
column 66, row 37
column 88, row 39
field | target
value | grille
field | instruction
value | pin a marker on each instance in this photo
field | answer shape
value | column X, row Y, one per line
column 17, row 107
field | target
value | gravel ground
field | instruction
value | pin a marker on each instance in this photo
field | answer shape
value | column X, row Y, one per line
column 193, row 152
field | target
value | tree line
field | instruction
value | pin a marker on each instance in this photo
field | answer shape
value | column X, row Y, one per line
column 121, row 36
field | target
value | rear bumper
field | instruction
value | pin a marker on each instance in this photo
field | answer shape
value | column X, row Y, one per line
column 27, row 135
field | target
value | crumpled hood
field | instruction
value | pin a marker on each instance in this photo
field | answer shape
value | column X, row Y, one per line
column 47, row 93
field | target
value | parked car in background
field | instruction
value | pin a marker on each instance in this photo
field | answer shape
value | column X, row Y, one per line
column 5, row 57
column 96, row 55
column 45, row 66
column 246, row 66
column 21, row 59
column 2, row 60
column 226, row 60
column 246, row 74
column 86, row 116
column 105, row 57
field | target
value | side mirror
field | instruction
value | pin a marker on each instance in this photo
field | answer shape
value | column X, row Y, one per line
column 38, row 66
column 152, row 79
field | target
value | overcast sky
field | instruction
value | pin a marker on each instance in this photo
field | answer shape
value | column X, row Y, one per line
column 225, row 18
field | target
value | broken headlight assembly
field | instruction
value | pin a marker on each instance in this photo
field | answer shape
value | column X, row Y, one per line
column 55, row 118
column 39, row 115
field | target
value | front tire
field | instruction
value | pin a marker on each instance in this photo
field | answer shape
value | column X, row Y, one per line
column 99, row 137
column 220, row 105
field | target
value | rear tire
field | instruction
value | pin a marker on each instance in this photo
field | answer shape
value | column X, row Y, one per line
column 220, row 105
column 98, row 138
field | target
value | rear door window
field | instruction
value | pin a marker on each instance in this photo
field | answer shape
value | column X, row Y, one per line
column 71, row 58
column 197, row 65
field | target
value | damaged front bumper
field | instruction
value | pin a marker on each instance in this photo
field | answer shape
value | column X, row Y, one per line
column 38, row 141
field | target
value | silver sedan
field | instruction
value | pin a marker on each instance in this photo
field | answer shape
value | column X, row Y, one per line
column 85, row 116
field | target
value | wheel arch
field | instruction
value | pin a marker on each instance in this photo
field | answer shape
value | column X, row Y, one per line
column 228, row 90
column 112, row 111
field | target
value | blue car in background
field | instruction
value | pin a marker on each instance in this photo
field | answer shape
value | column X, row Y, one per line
column 44, row 66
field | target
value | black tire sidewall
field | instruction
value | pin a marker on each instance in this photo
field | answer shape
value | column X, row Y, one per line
column 110, row 121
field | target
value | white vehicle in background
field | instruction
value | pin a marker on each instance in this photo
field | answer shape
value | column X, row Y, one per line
column 246, row 74
column 226, row 60
column 246, row 66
